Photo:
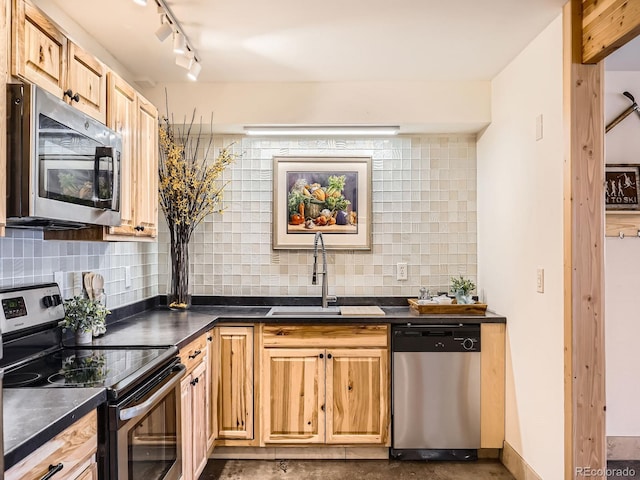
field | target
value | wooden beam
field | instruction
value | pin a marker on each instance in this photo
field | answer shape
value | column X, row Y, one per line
column 606, row 26
column 585, row 444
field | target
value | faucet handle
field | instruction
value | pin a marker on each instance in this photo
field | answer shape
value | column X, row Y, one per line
column 332, row 298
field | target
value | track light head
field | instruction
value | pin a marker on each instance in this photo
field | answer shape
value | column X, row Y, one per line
column 142, row 3
column 194, row 71
column 164, row 30
column 179, row 43
column 185, row 61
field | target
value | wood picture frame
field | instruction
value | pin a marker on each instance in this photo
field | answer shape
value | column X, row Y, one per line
column 622, row 187
column 331, row 195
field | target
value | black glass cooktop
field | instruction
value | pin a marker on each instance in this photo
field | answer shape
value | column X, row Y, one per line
column 110, row 368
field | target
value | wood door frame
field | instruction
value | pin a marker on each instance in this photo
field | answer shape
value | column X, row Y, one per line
column 608, row 24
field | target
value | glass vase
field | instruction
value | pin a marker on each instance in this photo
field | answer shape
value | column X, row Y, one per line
column 462, row 299
column 178, row 297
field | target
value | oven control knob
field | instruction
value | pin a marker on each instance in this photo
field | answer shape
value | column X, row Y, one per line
column 48, row 301
column 467, row 344
column 57, row 300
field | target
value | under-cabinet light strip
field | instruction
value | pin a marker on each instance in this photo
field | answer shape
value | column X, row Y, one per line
column 322, row 130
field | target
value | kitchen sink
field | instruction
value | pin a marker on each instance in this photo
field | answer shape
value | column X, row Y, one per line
column 301, row 311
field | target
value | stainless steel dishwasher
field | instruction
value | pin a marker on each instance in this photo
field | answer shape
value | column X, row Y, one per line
column 436, row 392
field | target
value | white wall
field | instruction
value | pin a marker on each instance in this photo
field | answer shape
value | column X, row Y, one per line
column 421, row 107
column 622, row 272
column 520, row 230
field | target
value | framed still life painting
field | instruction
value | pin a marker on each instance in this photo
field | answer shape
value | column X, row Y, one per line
column 331, row 195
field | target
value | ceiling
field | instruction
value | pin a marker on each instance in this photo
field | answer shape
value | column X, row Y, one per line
column 319, row 41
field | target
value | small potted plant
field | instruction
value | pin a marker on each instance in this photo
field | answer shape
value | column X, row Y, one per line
column 84, row 316
column 462, row 288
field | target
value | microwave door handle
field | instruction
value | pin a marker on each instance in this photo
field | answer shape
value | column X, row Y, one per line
column 115, row 176
column 148, row 404
column 101, row 152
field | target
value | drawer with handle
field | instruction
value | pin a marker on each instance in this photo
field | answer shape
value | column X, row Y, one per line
column 194, row 352
column 67, row 456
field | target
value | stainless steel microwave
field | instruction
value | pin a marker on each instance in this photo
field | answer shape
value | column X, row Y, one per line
column 63, row 167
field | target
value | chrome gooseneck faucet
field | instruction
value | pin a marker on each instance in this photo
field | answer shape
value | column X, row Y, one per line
column 326, row 298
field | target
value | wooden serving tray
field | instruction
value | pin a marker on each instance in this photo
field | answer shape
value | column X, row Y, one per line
column 454, row 308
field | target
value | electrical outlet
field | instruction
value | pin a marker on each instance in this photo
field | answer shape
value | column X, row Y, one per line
column 540, row 280
column 127, row 277
column 401, row 271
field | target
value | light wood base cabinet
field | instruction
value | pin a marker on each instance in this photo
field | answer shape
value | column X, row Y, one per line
column 492, row 385
column 194, row 406
column 357, row 402
column 233, row 382
column 293, row 398
column 329, row 394
column 72, row 452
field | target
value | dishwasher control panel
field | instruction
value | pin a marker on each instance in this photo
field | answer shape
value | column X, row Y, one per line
column 436, row 338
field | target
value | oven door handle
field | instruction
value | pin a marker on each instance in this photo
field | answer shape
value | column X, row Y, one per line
column 148, row 404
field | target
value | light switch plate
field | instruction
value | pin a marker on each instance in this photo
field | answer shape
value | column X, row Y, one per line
column 540, row 281
column 539, row 132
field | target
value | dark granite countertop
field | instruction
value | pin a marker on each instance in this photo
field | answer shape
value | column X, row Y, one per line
column 33, row 416
column 162, row 326
column 159, row 327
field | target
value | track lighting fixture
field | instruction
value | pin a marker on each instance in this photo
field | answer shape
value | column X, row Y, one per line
column 179, row 43
column 186, row 55
column 185, row 61
column 164, row 30
column 194, row 71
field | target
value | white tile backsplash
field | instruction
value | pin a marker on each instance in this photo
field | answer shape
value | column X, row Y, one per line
column 424, row 213
column 26, row 258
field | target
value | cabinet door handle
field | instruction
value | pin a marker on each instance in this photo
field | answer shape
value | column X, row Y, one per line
column 139, row 228
column 53, row 469
column 194, row 381
column 69, row 93
column 210, row 338
column 195, row 354
column 329, row 356
column 321, row 355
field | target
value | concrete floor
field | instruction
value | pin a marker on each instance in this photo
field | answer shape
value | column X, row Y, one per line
column 378, row 470
column 353, row 470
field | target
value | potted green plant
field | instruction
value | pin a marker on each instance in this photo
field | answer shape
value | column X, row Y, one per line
column 83, row 316
column 462, row 288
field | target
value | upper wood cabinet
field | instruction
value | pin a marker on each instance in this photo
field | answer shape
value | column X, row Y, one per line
column 43, row 55
column 136, row 119
column 4, row 40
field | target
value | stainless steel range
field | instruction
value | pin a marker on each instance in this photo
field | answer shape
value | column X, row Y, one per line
column 138, row 429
